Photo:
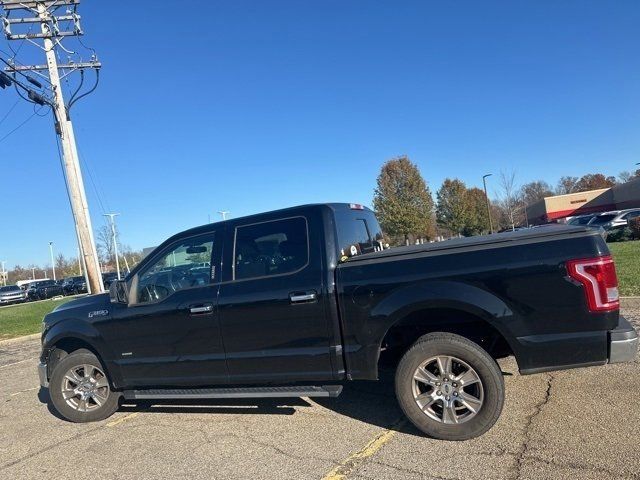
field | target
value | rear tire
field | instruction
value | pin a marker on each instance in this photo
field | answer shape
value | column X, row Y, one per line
column 449, row 387
column 80, row 390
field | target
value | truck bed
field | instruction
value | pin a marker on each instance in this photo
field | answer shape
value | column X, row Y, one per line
column 521, row 237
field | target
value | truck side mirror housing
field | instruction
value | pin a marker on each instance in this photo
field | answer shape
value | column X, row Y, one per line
column 118, row 292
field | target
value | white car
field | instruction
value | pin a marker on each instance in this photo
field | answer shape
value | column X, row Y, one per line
column 12, row 294
column 617, row 218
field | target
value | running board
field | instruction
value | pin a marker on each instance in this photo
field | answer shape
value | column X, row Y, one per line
column 241, row 392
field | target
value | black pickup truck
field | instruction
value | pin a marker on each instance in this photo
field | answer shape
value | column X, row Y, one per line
column 43, row 290
column 298, row 301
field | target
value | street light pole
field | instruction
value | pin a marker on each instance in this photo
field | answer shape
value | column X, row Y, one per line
column 53, row 265
column 484, row 182
column 115, row 239
column 4, row 275
column 223, row 213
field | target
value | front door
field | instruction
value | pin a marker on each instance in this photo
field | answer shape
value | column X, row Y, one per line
column 169, row 334
column 271, row 307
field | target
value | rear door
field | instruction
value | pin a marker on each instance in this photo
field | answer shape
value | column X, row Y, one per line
column 271, row 304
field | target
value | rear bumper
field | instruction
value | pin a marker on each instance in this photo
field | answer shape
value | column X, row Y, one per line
column 623, row 342
column 42, row 374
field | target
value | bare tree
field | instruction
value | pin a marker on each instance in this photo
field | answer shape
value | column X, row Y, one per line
column 509, row 196
column 106, row 247
column 566, row 185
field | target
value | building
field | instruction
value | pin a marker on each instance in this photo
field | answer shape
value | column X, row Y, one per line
column 558, row 207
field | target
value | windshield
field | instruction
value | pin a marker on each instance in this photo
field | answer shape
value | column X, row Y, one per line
column 602, row 219
column 580, row 220
column 10, row 288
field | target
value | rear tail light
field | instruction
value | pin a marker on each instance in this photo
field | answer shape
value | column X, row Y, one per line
column 600, row 282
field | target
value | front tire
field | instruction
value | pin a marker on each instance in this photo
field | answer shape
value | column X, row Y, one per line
column 80, row 389
column 449, row 387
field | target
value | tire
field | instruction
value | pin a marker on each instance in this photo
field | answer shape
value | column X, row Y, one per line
column 464, row 405
column 96, row 400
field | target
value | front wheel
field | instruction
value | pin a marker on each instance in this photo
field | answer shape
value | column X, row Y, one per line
column 79, row 388
column 449, row 387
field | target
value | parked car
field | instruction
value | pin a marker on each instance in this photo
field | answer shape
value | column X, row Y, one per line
column 74, row 285
column 614, row 219
column 44, row 289
column 297, row 302
column 12, row 294
column 108, row 278
column 580, row 219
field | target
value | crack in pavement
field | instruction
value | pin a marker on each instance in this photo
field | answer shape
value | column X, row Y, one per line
column 517, row 469
column 419, row 473
column 50, row 447
column 576, row 466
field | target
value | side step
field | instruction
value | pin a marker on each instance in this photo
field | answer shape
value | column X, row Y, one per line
column 240, row 392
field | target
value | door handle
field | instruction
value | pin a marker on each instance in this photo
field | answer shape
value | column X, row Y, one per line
column 303, row 297
column 196, row 309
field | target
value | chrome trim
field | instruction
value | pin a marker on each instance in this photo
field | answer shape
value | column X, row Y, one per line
column 623, row 350
column 42, row 374
column 307, row 297
column 202, row 309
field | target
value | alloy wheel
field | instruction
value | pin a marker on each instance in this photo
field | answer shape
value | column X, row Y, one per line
column 447, row 389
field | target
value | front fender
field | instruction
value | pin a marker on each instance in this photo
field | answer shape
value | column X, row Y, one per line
column 83, row 332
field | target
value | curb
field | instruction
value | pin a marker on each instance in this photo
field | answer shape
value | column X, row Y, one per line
column 24, row 338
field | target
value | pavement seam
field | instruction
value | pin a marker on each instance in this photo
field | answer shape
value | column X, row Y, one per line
column 17, row 363
column 527, row 429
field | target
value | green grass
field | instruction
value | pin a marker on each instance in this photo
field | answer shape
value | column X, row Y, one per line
column 627, row 258
column 25, row 318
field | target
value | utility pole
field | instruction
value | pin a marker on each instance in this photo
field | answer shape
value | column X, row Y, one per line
column 112, row 222
column 484, row 182
column 49, row 33
column 223, row 214
column 53, row 265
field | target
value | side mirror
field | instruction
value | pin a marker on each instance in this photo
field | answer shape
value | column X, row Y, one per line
column 118, row 292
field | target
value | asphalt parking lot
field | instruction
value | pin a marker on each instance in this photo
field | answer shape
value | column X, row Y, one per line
column 572, row 424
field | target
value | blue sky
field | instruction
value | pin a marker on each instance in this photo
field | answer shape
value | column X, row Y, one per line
column 250, row 106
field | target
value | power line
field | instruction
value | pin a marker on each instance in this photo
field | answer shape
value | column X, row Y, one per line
column 18, row 127
column 10, row 110
column 51, row 36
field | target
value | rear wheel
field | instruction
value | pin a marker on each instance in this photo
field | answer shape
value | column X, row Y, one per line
column 79, row 388
column 449, row 387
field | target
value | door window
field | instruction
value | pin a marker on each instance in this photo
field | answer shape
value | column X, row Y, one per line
column 270, row 248
column 184, row 265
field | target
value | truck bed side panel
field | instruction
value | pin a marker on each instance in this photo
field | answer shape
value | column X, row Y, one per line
column 520, row 290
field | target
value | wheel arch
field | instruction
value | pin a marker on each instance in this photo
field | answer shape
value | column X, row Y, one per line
column 445, row 306
column 64, row 340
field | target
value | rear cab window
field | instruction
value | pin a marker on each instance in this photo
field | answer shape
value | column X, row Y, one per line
column 358, row 231
column 276, row 247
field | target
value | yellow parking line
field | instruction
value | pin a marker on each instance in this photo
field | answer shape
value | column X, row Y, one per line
column 123, row 419
column 355, row 460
